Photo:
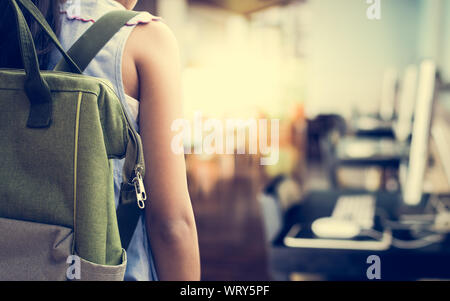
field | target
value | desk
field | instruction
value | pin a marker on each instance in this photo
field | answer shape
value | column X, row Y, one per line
column 381, row 132
column 367, row 126
column 370, row 152
column 361, row 153
column 396, row 264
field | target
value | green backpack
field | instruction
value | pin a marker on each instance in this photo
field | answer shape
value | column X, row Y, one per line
column 59, row 132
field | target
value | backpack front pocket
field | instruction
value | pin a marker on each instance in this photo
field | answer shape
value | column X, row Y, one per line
column 98, row 272
column 32, row 251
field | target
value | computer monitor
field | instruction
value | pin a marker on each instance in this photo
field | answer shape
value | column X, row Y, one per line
column 388, row 94
column 407, row 101
column 413, row 188
column 441, row 135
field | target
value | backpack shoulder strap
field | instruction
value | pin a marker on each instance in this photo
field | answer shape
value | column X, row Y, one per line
column 95, row 38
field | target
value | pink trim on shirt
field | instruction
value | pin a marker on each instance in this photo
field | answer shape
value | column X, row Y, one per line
column 137, row 22
column 130, row 23
column 76, row 17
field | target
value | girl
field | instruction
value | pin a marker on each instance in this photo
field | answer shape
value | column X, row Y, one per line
column 142, row 63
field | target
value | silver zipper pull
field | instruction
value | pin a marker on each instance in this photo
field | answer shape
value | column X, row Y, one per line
column 141, row 195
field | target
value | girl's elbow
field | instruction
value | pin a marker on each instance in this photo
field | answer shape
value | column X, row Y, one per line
column 175, row 230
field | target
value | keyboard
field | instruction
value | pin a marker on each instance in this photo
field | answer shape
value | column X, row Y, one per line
column 359, row 209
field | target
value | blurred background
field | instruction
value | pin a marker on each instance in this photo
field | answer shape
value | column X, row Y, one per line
column 320, row 67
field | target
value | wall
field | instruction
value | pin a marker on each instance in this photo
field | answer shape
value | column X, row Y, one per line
column 434, row 39
column 346, row 55
column 349, row 53
column 445, row 63
column 237, row 67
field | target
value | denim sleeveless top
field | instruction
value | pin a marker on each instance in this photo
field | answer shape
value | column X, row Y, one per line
column 76, row 17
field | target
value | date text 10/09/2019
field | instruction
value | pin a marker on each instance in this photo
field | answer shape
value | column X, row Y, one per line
column 228, row 290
